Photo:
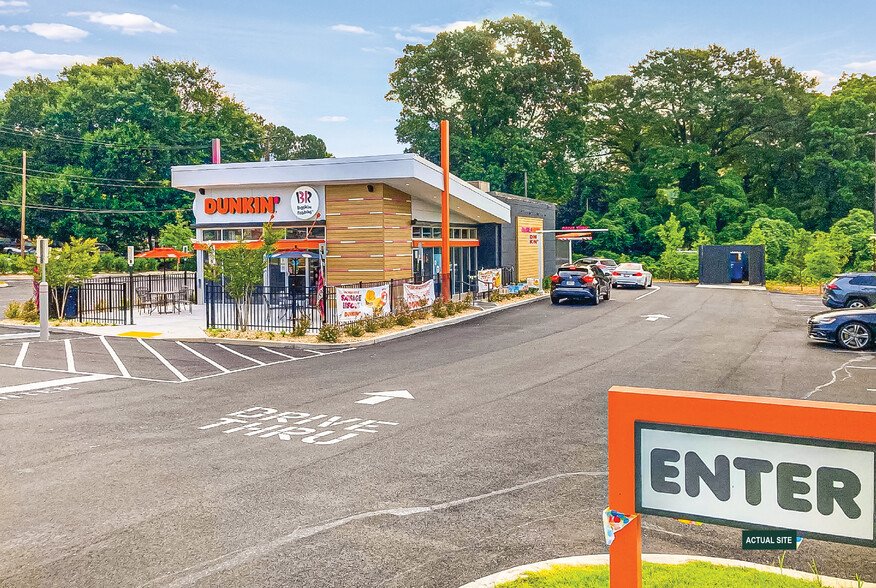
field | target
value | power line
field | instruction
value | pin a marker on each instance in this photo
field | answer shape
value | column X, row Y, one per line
column 50, row 207
column 67, row 175
column 43, row 134
column 98, row 184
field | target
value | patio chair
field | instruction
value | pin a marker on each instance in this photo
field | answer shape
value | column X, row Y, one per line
column 145, row 300
column 278, row 302
column 183, row 298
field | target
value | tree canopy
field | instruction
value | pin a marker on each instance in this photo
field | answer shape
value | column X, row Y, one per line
column 104, row 137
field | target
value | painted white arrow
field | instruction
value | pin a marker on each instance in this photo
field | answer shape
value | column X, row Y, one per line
column 378, row 397
column 654, row 317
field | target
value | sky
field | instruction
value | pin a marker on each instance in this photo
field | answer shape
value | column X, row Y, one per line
column 321, row 67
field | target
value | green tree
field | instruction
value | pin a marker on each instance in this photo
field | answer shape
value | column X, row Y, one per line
column 281, row 143
column 241, row 269
column 795, row 259
column 68, row 266
column 178, row 234
column 514, row 92
column 857, row 227
column 671, row 234
column 823, row 260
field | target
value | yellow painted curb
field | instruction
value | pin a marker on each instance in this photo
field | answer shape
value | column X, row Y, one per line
column 139, row 334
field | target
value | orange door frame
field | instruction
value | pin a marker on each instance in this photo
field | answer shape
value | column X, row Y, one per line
column 852, row 423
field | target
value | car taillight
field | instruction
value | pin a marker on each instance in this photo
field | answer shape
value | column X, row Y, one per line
column 615, row 273
column 638, row 274
column 831, row 286
column 586, row 279
column 555, row 279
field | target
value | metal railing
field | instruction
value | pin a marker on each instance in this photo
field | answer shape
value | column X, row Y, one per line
column 108, row 299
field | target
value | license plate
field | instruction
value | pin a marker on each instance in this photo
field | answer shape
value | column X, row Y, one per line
column 570, row 283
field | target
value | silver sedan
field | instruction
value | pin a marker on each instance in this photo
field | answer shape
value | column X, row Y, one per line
column 631, row 274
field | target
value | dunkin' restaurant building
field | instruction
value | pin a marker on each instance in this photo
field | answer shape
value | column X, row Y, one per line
column 369, row 219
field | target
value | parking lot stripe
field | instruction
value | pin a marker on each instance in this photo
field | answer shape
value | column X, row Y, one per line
column 20, row 361
column 68, row 350
column 239, row 354
column 656, row 288
column 277, row 353
column 122, row 369
column 53, row 383
column 279, row 362
column 204, row 357
column 19, row 336
column 164, row 362
column 313, row 351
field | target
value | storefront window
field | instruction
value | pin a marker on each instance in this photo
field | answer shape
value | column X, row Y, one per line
column 232, row 234
column 296, row 233
column 317, row 233
column 252, row 234
column 211, row 235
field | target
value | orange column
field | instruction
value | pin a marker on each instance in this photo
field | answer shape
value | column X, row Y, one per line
column 445, row 211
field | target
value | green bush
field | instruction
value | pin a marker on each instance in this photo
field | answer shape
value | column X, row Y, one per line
column 420, row 314
column 112, row 263
column 301, row 327
column 404, row 319
column 354, row 329
column 16, row 264
column 329, row 333
column 439, row 309
column 29, row 312
column 145, row 265
column 387, row 321
column 13, row 310
column 371, row 325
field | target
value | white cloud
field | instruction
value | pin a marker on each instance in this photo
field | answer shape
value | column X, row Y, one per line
column 354, row 29
column 126, row 22
column 26, row 62
column 48, row 30
column 391, row 50
column 409, row 39
column 825, row 81
column 13, row 6
column 332, row 119
column 452, row 26
column 868, row 67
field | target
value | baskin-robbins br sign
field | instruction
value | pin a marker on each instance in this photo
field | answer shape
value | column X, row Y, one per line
column 255, row 206
column 800, row 467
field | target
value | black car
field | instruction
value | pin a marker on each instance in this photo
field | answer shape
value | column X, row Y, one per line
column 580, row 282
column 853, row 329
column 850, row 290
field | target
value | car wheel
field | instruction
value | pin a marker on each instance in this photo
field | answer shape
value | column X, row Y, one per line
column 607, row 295
column 650, row 282
column 854, row 336
column 597, row 297
column 555, row 300
column 856, row 303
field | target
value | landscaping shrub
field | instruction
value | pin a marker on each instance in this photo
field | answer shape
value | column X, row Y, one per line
column 301, row 327
column 329, row 334
column 387, row 322
column 420, row 314
column 404, row 319
column 13, row 310
column 29, row 312
column 354, row 329
column 439, row 309
column 371, row 325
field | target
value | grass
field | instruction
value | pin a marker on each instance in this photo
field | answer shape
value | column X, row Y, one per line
column 774, row 286
column 700, row 574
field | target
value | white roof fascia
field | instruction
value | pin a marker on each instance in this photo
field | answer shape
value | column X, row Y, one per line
column 341, row 170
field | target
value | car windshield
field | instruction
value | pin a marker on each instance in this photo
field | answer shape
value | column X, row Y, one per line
column 630, row 266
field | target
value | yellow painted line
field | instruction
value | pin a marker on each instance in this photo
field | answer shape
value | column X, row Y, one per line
column 139, row 334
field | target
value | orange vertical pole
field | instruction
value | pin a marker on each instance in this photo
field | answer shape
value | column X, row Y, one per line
column 625, row 553
column 445, row 211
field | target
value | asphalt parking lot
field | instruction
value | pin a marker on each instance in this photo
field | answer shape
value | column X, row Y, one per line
column 494, row 457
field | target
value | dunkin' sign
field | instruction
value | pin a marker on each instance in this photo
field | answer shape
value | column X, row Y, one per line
column 241, row 205
column 247, row 205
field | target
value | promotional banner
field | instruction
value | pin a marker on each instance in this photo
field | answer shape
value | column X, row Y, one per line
column 359, row 303
column 420, row 295
column 488, row 278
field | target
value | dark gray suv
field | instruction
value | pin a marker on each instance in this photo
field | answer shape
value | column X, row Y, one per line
column 850, row 290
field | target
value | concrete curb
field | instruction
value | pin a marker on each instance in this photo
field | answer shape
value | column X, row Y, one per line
column 728, row 287
column 659, row 558
column 379, row 339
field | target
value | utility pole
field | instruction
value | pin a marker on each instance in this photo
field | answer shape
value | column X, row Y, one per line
column 873, row 134
column 525, row 184
column 23, row 197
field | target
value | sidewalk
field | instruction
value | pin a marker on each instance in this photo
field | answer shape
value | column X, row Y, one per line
column 181, row 325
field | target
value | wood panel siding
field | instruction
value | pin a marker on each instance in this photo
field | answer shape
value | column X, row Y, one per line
column 527, row 248
column 368, row 234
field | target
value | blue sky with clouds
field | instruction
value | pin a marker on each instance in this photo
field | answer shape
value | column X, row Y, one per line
column 321, row 66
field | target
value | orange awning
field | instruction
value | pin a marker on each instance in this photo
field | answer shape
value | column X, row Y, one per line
column 164, row 253
column 282, row 245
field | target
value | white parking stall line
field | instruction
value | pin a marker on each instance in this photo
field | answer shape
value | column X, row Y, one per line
column 163, row 361
column 282, row 361
column 19, row 362
column 53, row 383
column 277, row 353
column 68, row 350
column 656, row 288
column 122, row 369
column 228, row 349
column 204, row 357
column 19, row 336
column 314, row 351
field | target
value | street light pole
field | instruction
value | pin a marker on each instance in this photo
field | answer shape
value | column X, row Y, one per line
column 873, row 134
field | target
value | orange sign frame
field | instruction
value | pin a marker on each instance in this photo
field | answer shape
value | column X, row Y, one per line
column 852, row 423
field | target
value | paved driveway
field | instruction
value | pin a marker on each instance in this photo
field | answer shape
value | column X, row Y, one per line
column 280, row 474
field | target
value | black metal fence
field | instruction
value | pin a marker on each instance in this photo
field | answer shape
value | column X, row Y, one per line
column 108, row 299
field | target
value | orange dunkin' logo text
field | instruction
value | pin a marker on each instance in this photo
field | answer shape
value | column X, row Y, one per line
column 241, row 205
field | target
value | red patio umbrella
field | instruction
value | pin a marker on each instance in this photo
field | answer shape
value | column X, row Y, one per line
column 164, row 253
